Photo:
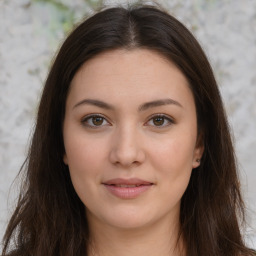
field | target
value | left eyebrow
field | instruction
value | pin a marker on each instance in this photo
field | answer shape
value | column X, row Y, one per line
column 158, row 103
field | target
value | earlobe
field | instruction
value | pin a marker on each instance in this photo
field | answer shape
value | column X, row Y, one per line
column 198, row 153
column 197, row 157
column 196, row 163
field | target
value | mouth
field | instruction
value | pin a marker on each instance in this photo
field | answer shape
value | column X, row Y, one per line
column 127, row 188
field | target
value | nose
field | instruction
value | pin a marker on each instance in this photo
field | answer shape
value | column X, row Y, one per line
column 126, row 148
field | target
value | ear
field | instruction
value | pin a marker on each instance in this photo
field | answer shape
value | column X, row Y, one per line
column 198, row 151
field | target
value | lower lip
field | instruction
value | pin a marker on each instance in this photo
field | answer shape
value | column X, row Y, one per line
column 127, row 192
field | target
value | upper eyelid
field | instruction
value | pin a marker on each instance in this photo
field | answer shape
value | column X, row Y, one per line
column 168, row 117
column 93, row 115
column 86, row 117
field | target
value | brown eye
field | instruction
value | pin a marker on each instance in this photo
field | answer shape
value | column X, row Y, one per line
column 97, row 120
column 158, row 121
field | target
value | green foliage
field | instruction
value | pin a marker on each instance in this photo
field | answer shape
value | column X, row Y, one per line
column 94, row 4
column 63, row 15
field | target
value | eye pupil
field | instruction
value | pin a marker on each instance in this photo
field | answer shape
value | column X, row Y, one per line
column 158, row 121
column 97, row 120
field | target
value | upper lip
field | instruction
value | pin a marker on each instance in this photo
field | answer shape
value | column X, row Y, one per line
column 132, row 181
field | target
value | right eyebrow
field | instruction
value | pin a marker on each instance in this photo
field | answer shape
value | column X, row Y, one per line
column 96, row 103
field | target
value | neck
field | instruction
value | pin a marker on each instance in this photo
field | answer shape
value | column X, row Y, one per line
column 159, row 239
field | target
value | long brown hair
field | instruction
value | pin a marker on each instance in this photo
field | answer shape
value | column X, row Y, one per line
column 50, row 218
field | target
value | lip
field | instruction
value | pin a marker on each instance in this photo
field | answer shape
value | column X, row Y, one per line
column 127, row 188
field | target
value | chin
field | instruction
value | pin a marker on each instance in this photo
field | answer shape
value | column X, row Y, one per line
column 124, row 218
column 137, row 221
column 128, row 223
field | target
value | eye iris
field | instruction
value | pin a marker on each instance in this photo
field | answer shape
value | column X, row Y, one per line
column 158, row 121
column 97, row 120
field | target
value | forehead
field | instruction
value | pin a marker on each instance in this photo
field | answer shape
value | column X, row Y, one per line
column 122, row 75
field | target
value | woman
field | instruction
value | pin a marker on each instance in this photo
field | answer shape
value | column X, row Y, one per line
column 131, row 153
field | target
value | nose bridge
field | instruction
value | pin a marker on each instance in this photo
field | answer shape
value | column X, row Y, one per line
column 126, row 146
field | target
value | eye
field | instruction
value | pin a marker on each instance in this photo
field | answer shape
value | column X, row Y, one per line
column 95, row 121
column 160, row 121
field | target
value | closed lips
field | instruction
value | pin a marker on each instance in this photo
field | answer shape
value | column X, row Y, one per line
column 127, row 186
column 127, row 189
column 134, row 182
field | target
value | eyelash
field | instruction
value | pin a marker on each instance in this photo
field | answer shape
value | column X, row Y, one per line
column 85, row 121
column 167, row 120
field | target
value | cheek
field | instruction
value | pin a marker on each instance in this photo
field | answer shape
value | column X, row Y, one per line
column 84, row 166
column 173, row 153
column 82, row 151
column 84, row 159
column 172, row 160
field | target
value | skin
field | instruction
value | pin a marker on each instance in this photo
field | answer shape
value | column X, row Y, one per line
column 129, row 141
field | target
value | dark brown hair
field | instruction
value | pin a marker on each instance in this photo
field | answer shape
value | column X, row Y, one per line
column 50, row 218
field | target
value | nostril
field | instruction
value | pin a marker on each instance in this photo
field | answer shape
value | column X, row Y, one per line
column 127, row 157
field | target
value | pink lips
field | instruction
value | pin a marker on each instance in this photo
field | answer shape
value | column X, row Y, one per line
column 127, row 188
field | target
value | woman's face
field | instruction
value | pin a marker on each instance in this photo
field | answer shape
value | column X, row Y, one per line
column 130, row 136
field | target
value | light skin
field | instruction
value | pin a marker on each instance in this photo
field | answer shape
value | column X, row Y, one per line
column 131, row 114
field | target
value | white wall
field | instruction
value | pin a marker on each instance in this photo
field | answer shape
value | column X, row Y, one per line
column 30, row 33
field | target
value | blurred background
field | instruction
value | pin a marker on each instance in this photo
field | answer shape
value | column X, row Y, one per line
column 31, row 32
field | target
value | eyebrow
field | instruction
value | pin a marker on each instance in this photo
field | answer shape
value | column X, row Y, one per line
column 158, row 103
column 97, row 103
column 143, row 107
